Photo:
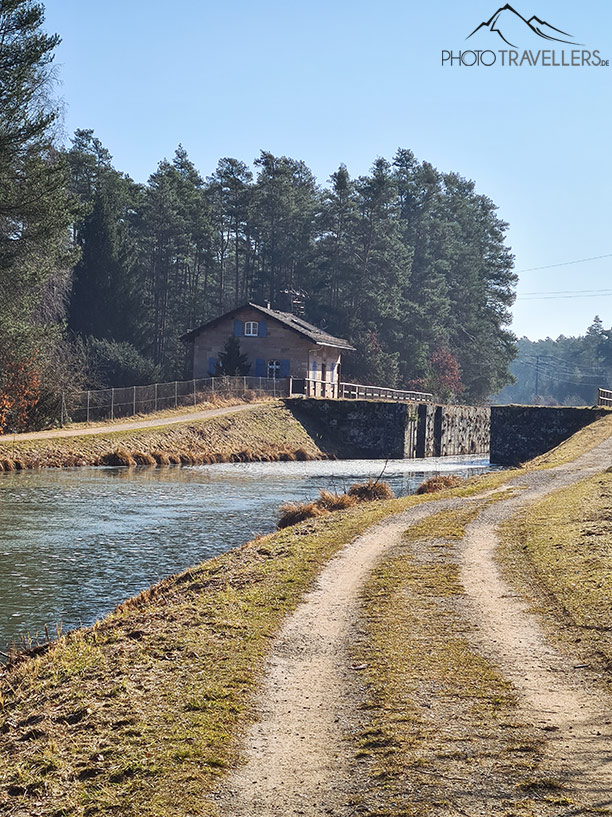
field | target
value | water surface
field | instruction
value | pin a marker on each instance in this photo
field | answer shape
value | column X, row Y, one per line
column 74, row 543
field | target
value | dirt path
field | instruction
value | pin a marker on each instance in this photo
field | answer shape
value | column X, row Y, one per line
column 553, row 693
column 110, row 428
column 297, row 760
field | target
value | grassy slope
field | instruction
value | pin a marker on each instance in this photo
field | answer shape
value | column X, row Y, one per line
column 267, row 431
column 140, row 714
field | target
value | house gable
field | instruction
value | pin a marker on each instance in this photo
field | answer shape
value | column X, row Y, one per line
column 273, row 344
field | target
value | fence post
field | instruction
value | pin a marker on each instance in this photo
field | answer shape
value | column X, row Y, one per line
column 244, row 386
column 274, row 386
column 175, row 393
column 134, row 401
column 88, row 402
column 112, row 404
column 194, row 393
column 260, row 387
column 212, row 385
column 156, row 397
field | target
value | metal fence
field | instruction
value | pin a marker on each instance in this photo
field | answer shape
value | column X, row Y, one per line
column 110, row 404
column 604, row 397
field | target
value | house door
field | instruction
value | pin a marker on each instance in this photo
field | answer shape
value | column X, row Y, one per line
column 323, row 378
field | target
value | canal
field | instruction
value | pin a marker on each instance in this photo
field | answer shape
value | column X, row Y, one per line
column 74, row 543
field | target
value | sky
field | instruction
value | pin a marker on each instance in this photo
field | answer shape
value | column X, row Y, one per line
column 335, row 82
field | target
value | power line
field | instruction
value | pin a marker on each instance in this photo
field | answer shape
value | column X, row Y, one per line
column 551, row 297
column 566, row 291
column 565, row 263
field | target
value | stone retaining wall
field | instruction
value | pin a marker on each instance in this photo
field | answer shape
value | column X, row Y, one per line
column 378, row 430
column 519, row 433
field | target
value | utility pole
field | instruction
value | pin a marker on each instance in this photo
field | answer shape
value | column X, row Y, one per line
column 537, row 383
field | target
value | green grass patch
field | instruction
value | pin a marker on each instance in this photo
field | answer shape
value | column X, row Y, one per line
column 441, row 734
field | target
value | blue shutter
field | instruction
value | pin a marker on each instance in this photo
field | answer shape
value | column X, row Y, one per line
column 237, row 329
column 212, row 365
column 260, row 367
column 262, row 331
column 285, row 365
column 314, row 368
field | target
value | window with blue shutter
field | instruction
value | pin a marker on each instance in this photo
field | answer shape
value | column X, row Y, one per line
column 314, row 368
column 262, row 332
column 285, row 366
column 260, row 367
column 237, row 329
column 212, row 365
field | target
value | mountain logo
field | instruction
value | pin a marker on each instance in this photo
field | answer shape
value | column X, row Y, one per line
column 510, row 25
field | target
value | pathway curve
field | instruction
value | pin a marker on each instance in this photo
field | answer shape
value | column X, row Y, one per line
column 296, row 757
column 110, row 428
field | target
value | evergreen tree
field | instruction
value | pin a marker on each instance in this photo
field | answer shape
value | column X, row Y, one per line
column 231, row 362
column 105, row 293
column 36, row 208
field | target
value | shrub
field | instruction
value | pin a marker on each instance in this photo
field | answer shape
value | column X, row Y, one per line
column 249, row 395
column 371, row 491
column 439, row 483
column 335, row 502
column 293, row 512
column 120, row 456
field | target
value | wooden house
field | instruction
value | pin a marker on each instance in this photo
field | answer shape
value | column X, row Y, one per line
column 277, row 345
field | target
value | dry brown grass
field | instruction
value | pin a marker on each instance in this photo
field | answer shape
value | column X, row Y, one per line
column 265, row 432
column 439, row 483
column 335, row 502
column 371, row 491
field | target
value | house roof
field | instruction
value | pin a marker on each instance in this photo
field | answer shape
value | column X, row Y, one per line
column 289, row 320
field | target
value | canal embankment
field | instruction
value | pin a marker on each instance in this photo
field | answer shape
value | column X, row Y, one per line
column 255, row 433
column 146, row 712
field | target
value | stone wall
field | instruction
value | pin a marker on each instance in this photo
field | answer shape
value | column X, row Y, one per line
column 377, row 430
column 519, row 433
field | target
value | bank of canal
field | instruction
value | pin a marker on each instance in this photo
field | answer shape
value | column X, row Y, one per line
column 75, row 543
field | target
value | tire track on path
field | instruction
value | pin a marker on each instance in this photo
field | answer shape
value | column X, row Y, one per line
column 297, row 757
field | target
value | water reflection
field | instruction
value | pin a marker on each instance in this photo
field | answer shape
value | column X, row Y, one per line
column 76, row 542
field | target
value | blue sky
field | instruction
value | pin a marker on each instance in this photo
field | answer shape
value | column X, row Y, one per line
column 338, row 81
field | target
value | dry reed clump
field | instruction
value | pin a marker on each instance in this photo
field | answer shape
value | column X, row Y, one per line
column 143, row 458
column 294, row 512
column 249, row 395
column 7, row 464
column 302, row 455
column 439, row 483
column 335, row 502
column 371, row 491
column 120, row 456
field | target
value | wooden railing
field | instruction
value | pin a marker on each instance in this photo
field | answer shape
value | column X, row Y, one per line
column 604, row 397
column 356, row 391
